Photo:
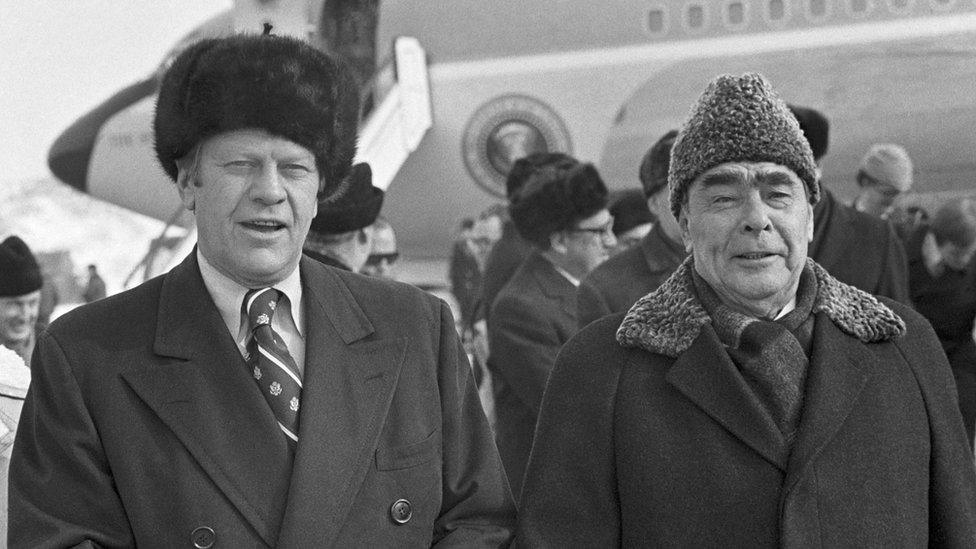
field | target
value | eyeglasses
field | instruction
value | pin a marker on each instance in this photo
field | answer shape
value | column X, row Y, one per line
column 605, row 229
column 375, row 259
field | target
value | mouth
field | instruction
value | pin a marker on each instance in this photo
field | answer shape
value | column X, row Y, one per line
column 263, row 225
column 755, row 256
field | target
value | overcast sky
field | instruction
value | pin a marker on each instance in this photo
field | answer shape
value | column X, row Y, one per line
column 61, row 58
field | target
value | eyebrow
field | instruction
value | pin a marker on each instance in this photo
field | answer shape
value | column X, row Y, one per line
column 720, row 178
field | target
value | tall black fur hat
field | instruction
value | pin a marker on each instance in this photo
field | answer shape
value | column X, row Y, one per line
column 274, row 83
column 739, row 119
column 357, row 207
column 815, row 127
column 653, row 173
column 19, row 272
column 555, row 197
column 523, row 168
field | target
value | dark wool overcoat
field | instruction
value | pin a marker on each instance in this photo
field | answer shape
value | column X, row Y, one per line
column 859, row 249
column 143, row 427
column 659, row 442
column 620, row 281
column 533, row 316
column 503, row 260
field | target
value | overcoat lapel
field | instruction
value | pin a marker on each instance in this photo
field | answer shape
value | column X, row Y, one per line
column 348, row 387
column 708, row 377
column 553, row 284
column 840, row 366
column 204, row 394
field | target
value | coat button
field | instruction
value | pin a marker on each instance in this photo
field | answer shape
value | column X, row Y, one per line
column 203, row 537
column 401, row 511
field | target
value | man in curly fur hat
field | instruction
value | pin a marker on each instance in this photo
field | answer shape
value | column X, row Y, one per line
column 253, row 397
column 561, row 208
column 752, row 400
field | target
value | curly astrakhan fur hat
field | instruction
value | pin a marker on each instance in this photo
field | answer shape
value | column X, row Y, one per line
column 653, row 173
column 554, row 198
column 815, row 127
column 357, row 207
column 19, row 272
column 273, row 83
column 739, row 119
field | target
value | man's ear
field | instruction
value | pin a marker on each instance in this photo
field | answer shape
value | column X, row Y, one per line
column 810, row 222
column 557, row 242
column 683, row 225
column 187, row 188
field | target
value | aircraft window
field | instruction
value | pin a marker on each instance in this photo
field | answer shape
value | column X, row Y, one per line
column 657, row 21
column 899, row 6
column 817, row 9
column 859, row 7
column 735, row 14
column 695, row 17
column 776, row 11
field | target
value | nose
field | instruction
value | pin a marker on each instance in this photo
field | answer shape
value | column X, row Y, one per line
column 266, row 187
column 755, row 217
column 609, row 239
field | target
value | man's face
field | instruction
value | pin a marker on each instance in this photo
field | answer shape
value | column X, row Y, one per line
column 632, row 237
column 955, row 256
column 254, row 197
column 589, row 243
column 748, row 225
column 383, row 255
column 17, row 317
column 876, row 199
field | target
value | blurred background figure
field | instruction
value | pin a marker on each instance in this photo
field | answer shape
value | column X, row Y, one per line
column 855, row 247
column 95, row 288
column 562, row 210
column 942, row 279
column 20, row 298
column 885, row 172
column 383, row 256
column 340, row 235
column 464, row 272
column 631, row 218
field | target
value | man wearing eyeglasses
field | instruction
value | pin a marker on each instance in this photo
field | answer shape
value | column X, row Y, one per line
column 383, row 254
column 562, row 210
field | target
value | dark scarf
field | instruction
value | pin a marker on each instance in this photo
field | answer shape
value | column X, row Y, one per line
column 773, row 356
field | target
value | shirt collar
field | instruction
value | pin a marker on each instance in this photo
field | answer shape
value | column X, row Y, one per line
column 228, row 295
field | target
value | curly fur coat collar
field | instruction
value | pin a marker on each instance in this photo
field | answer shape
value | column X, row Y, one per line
column 667, row 320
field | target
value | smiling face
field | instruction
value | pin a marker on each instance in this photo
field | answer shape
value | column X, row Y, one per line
column 254, row 197
column 748, row 225
column 18, row 314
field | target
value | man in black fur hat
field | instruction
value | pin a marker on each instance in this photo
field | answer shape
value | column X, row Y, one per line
column 561, row 208
column 341, row 234
column 20, row 296
column 752, row 400
column 252, row 397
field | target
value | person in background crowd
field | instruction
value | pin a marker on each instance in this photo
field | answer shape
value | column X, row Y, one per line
column 631, row 218
column 383, row 255
column 561, row 208
column 511, row 250
column 50, row 298
column 21, row 283
column 943, row 289
column 252, row 397
column 464, row 272
column 20, row 297
column 95, row 288
column 752, row 400
column 341, row 235
column 615, row 285
column 854, row 247
column 885, row 172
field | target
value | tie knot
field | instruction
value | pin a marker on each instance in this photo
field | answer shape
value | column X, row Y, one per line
column 260, row 305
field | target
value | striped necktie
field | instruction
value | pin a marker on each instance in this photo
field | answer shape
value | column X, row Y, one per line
column 272, row 365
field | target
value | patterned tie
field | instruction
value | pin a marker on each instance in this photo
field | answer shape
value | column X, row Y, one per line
column 274, row 369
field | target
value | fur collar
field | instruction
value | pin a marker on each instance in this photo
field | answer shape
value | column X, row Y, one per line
column 667, row 320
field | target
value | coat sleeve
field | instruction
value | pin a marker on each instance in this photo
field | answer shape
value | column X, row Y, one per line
column 62, row 493
column 590, row 304
column 952, row 474
column 522, row 346
column 477, row 506
column 569, row 496
column 894, row 278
